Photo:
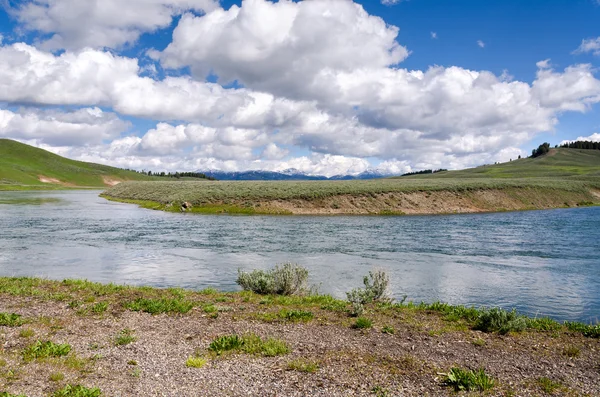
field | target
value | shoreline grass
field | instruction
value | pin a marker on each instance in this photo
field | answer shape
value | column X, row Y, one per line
column 293, row 309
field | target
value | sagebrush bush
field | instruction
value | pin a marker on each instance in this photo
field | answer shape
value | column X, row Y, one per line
column 376, row 284
column 285, row 279
column 501, row 321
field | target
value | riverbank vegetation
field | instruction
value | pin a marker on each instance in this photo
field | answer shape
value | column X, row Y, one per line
column 175, row 341
column 562, row 178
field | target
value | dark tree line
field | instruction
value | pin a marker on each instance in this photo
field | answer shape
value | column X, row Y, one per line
column 582, row 145
column 177, row 175
column 424, row 172
column 541, row 150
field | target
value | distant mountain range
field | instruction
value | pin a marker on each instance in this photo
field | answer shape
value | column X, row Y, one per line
column 285, row 175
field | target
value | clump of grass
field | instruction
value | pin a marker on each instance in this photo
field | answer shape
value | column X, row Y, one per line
column 380, row 391
column 195, row 362
column 43, row 349
column 56, row 376
column 10, row 319
column 501, row 321
column 362, row 323
column 285, row 279
column 296, row 315
column 591, row 331
column 26, row 333
column 249, row 344
column 479, row 342
column 157, row 306
column 99, row 307
column 125, row 337
column 548, row 385
column 571, row 351
column 303, row 365
column 132, row 362
column 543, row 324
column 375, row 290
column 388, row 329
column 461, row 379
column 77, row 391
column 7, row 394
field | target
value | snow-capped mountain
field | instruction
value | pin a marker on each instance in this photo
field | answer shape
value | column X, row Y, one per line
column 288, row 174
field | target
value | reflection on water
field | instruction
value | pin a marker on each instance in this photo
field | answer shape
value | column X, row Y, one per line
column 541, row 262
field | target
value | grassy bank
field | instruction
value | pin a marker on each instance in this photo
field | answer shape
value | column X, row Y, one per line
column 563, row 178
column 126, row 340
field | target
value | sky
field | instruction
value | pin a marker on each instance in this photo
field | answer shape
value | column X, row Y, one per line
column 327, row 87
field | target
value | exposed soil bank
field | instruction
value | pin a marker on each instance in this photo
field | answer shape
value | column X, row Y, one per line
column 396, row 203
column 409, row 360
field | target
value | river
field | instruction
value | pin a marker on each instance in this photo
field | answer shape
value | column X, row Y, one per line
column 539, row 262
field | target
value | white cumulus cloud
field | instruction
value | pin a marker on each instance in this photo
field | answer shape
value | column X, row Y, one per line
column 589, row 45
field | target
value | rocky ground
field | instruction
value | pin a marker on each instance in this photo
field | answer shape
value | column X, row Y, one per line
column 406, row 352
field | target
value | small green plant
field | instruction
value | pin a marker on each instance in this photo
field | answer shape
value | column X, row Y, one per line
column 461, row 379
column 43, row 349
column 136, row 372
column 285, row 279
column 303, row 365
column 195, row 362
column 380, row 391
column 132, row 362
column 3, row 362
column 296, row 315
column 501, row 321
column 225, row 343
column 7, row 394
column 548, row 385
column 10, row 319
column 362, row 323
column 157, row 306
column 125, row 337
column 26, row 333
column 77, row 391
column 99, row 307
column 388, row 329
column 249, row 344
column 480, row 342
column 571, row 351
column 56, row 376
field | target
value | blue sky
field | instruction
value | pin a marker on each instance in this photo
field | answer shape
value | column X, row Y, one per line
column 328, row 87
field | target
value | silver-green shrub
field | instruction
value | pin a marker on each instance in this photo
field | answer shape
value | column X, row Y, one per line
column 376, row 284
column 285, row 279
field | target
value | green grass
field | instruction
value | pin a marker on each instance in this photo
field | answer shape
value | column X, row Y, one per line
column 566, row 171
column 125, row 337
column 362, row 323
column 157, row 306
column 22, row 165
column 195, row 362
column 249, row 344
column 548, row 385
column 303, row 365
column 461, row 379
column 77, row 391
column 10, row 319
column 45, row 349
column 7, row 394
column 296, row 315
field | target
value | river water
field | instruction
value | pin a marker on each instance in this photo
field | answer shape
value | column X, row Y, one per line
column 539, row 262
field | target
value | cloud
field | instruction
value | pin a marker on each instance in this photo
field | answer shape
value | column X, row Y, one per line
column 57, row 128
column 589, row 45
column 76, row 24
column 390, row 2
column 285, row 48
column 480, row 43
column 595, row 137
column 433, row 35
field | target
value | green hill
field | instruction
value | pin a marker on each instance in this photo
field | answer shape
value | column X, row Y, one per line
column 26, row 167
column 559, row 163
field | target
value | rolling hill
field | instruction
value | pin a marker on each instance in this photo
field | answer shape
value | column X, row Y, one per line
column 27, row 167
